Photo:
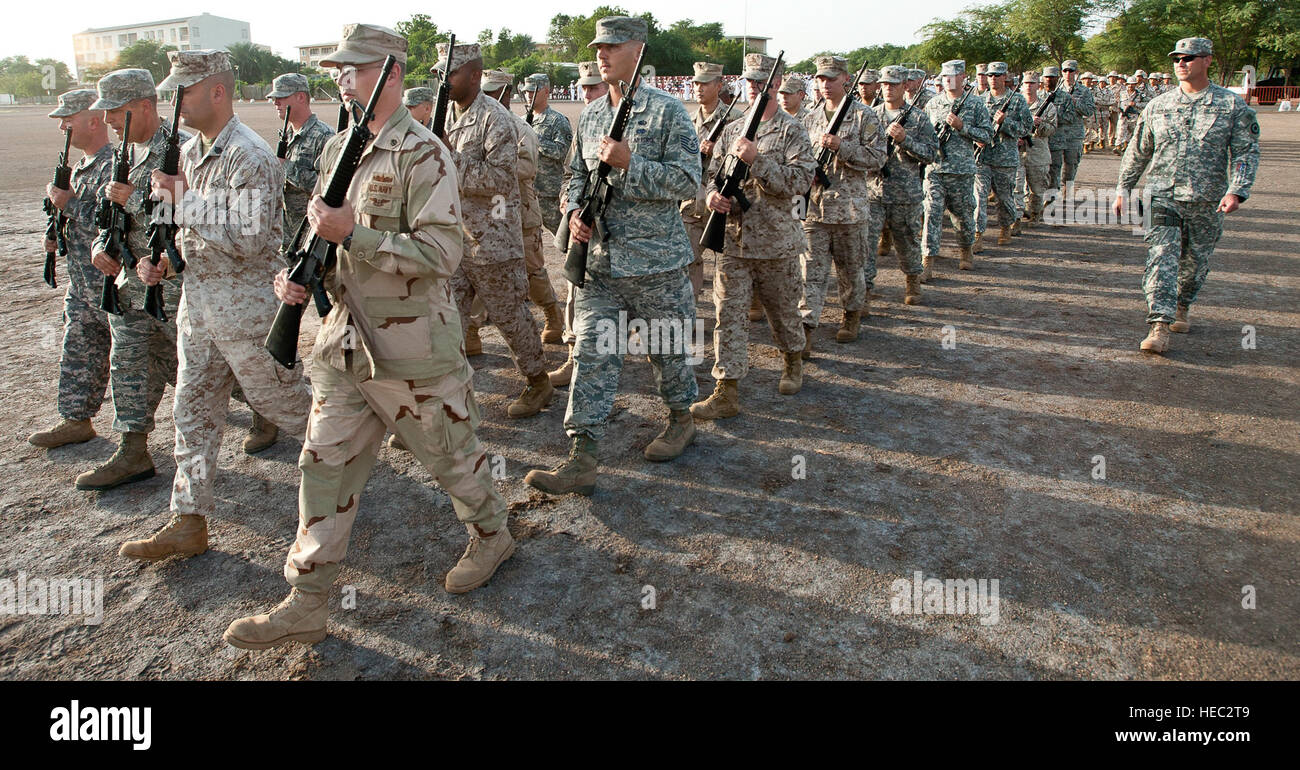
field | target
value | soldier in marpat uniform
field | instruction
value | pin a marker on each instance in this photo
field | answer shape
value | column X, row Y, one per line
column 1199, row 145
column 760, row 258
column 639, row 271
column 708, row 86
column 550, row 132
column 229, row 189
column 419, row 102
column 869, row 87
column 793, row 93
column 997, row 159
column 950, row 181
column 400, row 235
column 1036, row 155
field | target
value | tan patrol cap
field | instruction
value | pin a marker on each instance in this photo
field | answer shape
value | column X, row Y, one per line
column 830, row 66
column 589, row 73
column 464, row 54
column 706, row 72
column 190, row 67
column 365, row 43
column 793, row 84
column 495, row 80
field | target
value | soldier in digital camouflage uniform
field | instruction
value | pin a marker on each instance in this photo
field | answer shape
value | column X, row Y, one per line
column 419, row 101
column 950, row 181
column 760, row 258
column 920, row 95
column 793, row 94
column 640, row 269
column 1067, row 142
column 997, row 161
column 388, row 356
column 484, row 138
column 1099, row 122
column 1114, row 86
column 707, row 84
column 897, row 194
column 229, row 212
column 838, row 224
column 291, row 92
column 84, row 362
column 1199, row 145
column 1130, row 104
column 552, row 135
column 1036, row 158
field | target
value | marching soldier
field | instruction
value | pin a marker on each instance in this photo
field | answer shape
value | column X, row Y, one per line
column 1115, row 87
column 793, row 93
column 869, row 87
column 555, row 137
column 400, row 232
column 708, row 86
column 919, row 94
column 1036, row 157
column 227, row 303
column 291, row 93
column 950, row 181
column 419, row 102
column 1130, row 106
column 1067, row 142
column 981, row 79
column 1199, row 145
column 640, row 269
column 1104, row 98
column 997, row 159
column 762, row 245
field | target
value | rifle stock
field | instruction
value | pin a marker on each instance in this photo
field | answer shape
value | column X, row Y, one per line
column 114, row 223
column 54, row 229
column 162, row 229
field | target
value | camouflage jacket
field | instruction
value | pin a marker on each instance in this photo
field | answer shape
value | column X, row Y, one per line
column 89, row 176
column 703, row 123
column 1070, row 114
column 554, row 137
column 861, row 153
column 1130, row 104
column 531, row 214
column 485, row 143
column 907, row 160
column 230, row 227
column 644, row 227
column 782, row 170
column 393, row 285
column 146, row 157
column 1040, row 154
column 1104, row 98
column 923, row 97
column 958, row 153
column 1004, row 150
column 1194, row 148
column 300, row 165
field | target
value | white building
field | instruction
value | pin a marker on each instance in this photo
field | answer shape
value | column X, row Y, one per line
column 310, row 55
column 99, row 47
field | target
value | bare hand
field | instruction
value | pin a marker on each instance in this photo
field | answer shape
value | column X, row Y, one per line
column 955, row 122
column 58, row 197
column 1229, row 203
column 577, row 230
column 616, row 154
column 1119, row 207
column 287, row 291
column 332, row 224
column 745, row 150
column 706, row 147
column 166, row 187
column 896, row 132
column 105, row 264
column 51, row 246
column 718, row 203
column 119, row 192
column 831, row 142
column 149, row 273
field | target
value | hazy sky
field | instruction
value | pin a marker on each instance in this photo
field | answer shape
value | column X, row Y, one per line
column 39, row 31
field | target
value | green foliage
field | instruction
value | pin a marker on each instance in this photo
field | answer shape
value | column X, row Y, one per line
column 258, row 65
column 422, row 38
column 24, row 78
column 146, row 55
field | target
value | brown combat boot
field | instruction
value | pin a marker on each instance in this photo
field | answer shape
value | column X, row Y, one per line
column 912, row 294
column 927, row 269
column 186, row 534
column 537, row 395
column 576, row 474
column 886, row 243
column 131, row 462
column 561, row 377
column 967, row 261
column 483, row 554
column 262, row 434
column 1157, row 340
column 977, row 247
column 849, row 327
column 553, row 332
column 66, row 432
column 473, row 345
column 1015, row 227
column 807, row 351
column 1180, row 324
column 792, row 377
column 395, row 442
column 1004, row 236
column 299, row 618
column 755, row 310
column 725, row 402
column 674, row 439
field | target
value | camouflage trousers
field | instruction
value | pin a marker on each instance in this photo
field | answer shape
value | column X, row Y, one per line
column 435, row 418
column 1179, row 242
column 295, row 208
column 694, row 232
column 503, row 287
column 1001, row 180
column 1110, row 128
column 956, row 194
column 846, row 247
column 208, row 371
column 1036, row 181
column 143, row 359
column 905, row 221
column 1126, row 130
column 84, row 362
column 662, row 299
column 1065, row 162
column 551, row 214
column 777, row 284
column 540, row 290
column 1018, row 192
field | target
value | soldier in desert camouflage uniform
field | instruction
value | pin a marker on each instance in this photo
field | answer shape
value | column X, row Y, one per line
column 869, row 88
column 793, row 93
column 1036, row 158
column 897, row 194
column 708, row 85
column 950, row 181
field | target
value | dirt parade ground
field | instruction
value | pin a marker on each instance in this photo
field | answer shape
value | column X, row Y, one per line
column 1133, row 516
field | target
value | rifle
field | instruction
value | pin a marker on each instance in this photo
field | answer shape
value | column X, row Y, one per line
column 439, row 123
column 945, row 131
column 1029, row 140
column 318, row 258
column 734, row 171
column 162, row 229
column 54, row 230
column 282, row 149
column 597, row 193
column 719, row 123
column 889, row 141
column 827, row 155
column 997, row 125
column 114, row 223
column 343, row 117
column 529, row 98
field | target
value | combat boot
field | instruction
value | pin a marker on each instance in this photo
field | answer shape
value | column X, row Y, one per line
column 131, row 462
column 792, row 377
column 576, row 474
column 886, row 243
column 483, row 554
column 967, row 261
column 1004, row 236
column 299, row 618
column 1015, row 227
column 561, row 377
column 186, row 534
column 1157, row 340
column 848, row 330
column 537, row 395
column 395, row 442
column 755, row 310
column 66, row 432
column 807, row 351
column 1180, row 324
column 473, row 345
column 262, row 434
column 927, row 269
column 912, row 294
column 553, row 332
column 674, row 439
column 978, row 246
column 725, row 402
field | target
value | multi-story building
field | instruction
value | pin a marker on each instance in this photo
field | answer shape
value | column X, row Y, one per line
column 100, row 47
column 310, row 55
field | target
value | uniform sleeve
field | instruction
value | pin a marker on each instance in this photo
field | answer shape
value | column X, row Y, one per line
column 495, row 173
column 980, row 126
column 1137, row 156
column 1087, row 106
column 677, row 176
column 868, row 152
column 526, row 170
column 243, row 216
column 577, row 174
column 1018, row 121
column 555, row 144
column 921, row 142
column 792, row 174
column 725, row 140
column 1048, row 125
column 1243, row 152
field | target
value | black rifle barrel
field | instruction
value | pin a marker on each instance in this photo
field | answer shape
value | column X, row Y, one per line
column 282, row 149
column 54, row 228
column 826, row 155
column 440, row 104
column 162, row 232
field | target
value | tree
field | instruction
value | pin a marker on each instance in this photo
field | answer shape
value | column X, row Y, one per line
column 422, row 38
column 147, row 55
column 1055, row 24
column 258, row 65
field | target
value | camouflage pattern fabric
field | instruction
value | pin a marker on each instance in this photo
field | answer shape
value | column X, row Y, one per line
column 554, row 137
column 957, row 155
column 503, row 288
column 1067, row 142
column 954, row 193
column 905, row 222
column 861, row 153
column 300, row 172
column 485, row 144
column 84, row 362
column 777, row 284
column 89, row 176
column 908, row 160
column 143, row 363
column 1178, row 254
column 1001, row 180
column 846, row 246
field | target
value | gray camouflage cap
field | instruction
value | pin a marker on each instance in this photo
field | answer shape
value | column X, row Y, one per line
column 893, row 74
column 869, row 76
column 464, row 54
column 981, row 69
column 1031, row 77
column 619, row 29
column 288, row 84
column 417, row 95
column 122, row 86
column 953, row 67
column 538, row 81
column 1193, row 46
column 190, row 67
column 1051, row 72
column 1069, row 64
column 589, row 73
column 706, row 72
column 366, row 43
column 997, row 68
column 793, row 84
column 72, row 102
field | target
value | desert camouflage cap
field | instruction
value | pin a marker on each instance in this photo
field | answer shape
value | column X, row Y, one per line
column 190, row 67
column 1193, row 46
column 418, row 95
column 869, row 76
column 953, row 67
column 830, row 66
column 1031, row 77
column 72, row 102
column 997, row 68
column 1051, row 72
column 588, row 73
column 464, row 54
column 1069, row 65
column 495, row 80
column 893, row 74
column 793, row 84
column 365, row 43
column 122, row 86
column 619, row 29
column 758, row 66
column 288, row 84
column 538, row 81
column 1087, row 76
column 706, row 72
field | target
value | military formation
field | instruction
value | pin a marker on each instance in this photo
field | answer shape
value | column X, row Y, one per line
column 439, row 233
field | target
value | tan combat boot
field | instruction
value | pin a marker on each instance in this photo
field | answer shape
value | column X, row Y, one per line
column 886, row 243
column 912, row 294
column 66, row 432
column 792, row 377
column 395, row 442
column 537, row 395
column 1015, row 227
column 807, row 351
column 1004, row 236
column 299, row 618
column 1180, row 324
column 927, row 269
column 755, row 310
column 674, row 439
column 186, row 534
column 977, row 247
column 553, row 332
column 473, row 345
column 262, row 434
column 484, row 553
column 725, row 402
column 849, row 327
column 576, row 474
column 131, row 462
column 561, row 377
column 1157, row 340
column 967, row 261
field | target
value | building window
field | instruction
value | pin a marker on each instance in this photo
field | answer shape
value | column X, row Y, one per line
column 121, row 41
column 185, row 33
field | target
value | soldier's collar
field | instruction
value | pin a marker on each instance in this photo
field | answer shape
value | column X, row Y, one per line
column 393, row 132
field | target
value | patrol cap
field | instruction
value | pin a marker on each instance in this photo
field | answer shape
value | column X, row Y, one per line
column 418, row 95
column 706, row 72
column 981, row 69
column 1139, row 73
column 72, row 102
column 1131, row 79
column 538, row 81
column 1087, row 76
column 869, row 76
column 495, row 80
column 953, row 67
column 288, row 84
column 365, row 43
column 1113, row 74
column 464, row 54
column 1051, row 72
column 793, row 84
column 122, row 86
column 589, row 73
column 893, row 74
column 619, row 29
column 758, row 66
column 997, row 68
column 1032, row 77
column 1069, row 65
column 915, row 74
column 190, row 67
column 1193, row 46
column 830, row 66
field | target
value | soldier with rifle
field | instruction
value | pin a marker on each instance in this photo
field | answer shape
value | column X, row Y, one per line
column 793, row 93
column 996, row 160
column 869, row 87
column 896, row 194
column 56, row 222
column 1035, row 153
column 710, row 118
column 554, row 135
column 419, row 102
column 114, row 223
column 959, row 120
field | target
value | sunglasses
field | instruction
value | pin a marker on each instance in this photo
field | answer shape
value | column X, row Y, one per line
column 1185, row 59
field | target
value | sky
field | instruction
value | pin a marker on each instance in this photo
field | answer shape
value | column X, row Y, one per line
column 838, row 25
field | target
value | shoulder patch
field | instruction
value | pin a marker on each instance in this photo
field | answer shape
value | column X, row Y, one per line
column 689, row 143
